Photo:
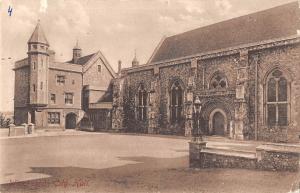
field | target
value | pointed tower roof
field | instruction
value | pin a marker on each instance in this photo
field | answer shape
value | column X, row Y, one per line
column 38, row 35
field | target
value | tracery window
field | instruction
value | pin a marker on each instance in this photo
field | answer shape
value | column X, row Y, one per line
column 277, row 102
column 218, row 81
column 176, row 101
column 142, row 103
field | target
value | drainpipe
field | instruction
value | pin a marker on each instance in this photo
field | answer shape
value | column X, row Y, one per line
column 256, row 99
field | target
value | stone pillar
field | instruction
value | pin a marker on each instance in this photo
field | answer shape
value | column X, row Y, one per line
column 153, row 107
column 117, row 109
column 189, row 100
column 26, row 128
column 242, row 96
column 11, row 130
column 31, row 128
column 195, row 155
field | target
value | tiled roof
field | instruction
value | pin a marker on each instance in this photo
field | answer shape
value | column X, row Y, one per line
column 277, row 22
column 38, row 35
column 82, row 60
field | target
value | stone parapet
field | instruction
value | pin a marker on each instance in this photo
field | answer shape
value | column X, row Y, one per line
column 275, row 157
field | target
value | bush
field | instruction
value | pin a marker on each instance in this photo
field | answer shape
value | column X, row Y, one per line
column 4, row 122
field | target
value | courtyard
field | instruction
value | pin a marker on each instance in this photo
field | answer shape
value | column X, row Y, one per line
column 103, row 162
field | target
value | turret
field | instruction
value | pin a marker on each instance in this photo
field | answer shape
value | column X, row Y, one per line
column 76, row 53
column 38, row 59
column 135, row 62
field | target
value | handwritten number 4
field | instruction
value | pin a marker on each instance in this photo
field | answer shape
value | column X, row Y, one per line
column 9, row 11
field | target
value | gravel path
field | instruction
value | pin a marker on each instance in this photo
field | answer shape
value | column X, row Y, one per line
column 112, row 163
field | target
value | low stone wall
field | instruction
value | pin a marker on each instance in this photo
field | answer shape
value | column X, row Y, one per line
column 24, row 129
column 276, row 157
column 211, row 160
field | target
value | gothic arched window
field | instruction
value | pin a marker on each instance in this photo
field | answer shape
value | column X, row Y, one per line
column 142, row 103
column 218, row 81
column 176, row 101
column 277, row 102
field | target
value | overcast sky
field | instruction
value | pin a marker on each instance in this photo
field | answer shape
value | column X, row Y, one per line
column 116, row 27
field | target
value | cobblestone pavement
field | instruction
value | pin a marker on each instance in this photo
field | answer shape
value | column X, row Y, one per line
column 89, row 162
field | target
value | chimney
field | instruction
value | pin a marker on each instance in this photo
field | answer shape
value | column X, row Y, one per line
column 76, row 53
column 119, row 66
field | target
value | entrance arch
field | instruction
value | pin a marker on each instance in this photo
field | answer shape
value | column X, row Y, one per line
column 218, row 122
column 70, row 121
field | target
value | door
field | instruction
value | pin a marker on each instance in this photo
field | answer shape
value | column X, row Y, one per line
column 71, row 121
column 218, row 124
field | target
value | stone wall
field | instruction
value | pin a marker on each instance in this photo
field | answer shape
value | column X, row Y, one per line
column 241, row 101
column 73, row 84
column 167, row 76
column 134, row 81
column 268, row 157
column 287, row 59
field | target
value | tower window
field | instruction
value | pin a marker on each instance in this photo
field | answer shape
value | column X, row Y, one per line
column 34, row 65
column 69, row 98
column 33, row 87
column 73, row 81
column 99, row 68
column 34, row 46
column 41, row 85
column 42, row 47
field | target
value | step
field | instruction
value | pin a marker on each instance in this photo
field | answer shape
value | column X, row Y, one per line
column 230, row 152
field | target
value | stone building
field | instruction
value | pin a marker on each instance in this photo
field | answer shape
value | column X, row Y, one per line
column 245, row 71
column 52, row 94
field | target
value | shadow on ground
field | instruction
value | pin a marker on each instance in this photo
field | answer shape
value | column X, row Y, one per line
column 151, row 175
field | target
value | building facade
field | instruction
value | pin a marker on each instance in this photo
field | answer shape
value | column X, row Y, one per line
column 245, row 71
column 61, row 95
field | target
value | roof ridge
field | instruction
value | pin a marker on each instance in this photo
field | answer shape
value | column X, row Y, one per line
column 277, row 22
column 235, row 18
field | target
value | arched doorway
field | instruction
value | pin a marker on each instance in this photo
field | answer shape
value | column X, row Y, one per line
column 218, row 122
column 71, row 121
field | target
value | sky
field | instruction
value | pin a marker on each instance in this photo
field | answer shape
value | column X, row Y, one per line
column 116, row 27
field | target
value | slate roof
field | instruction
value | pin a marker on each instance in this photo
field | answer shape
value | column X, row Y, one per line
column 38, row 35
column 82, row 60
column 277, row 22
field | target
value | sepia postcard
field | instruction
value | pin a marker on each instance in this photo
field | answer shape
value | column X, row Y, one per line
column 150, row 96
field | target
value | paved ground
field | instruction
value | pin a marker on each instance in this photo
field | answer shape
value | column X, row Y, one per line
column 87, row 162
